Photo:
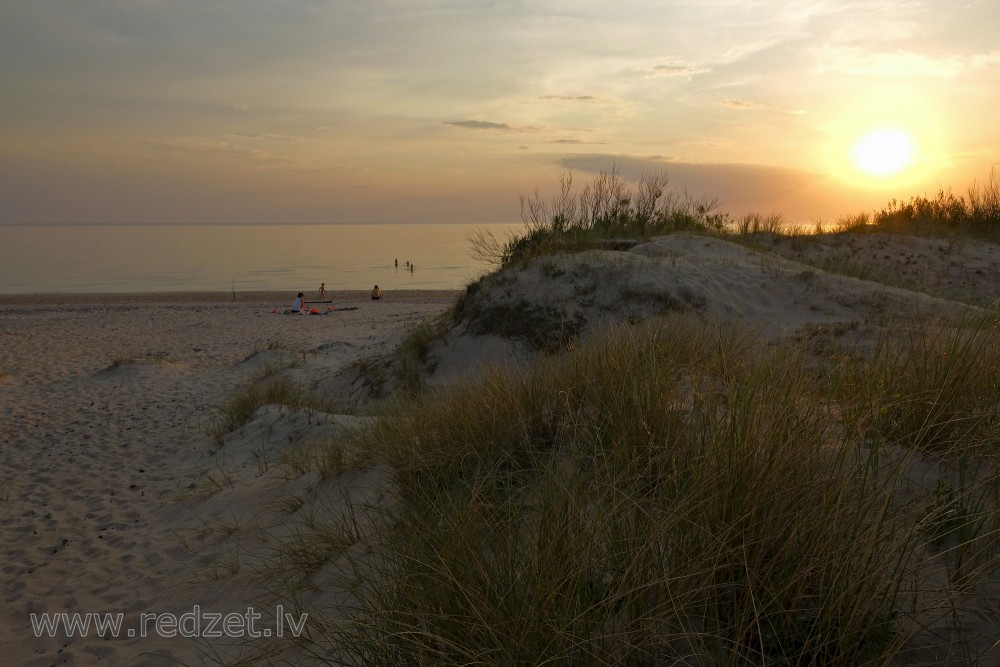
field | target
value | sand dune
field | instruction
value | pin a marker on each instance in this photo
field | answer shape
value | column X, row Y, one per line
column 511, row 314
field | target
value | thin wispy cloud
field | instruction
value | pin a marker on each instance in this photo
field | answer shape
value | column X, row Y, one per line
column 678, row 70
column 479, row 125
column 265, row 136
column 747, row 105
column 488, row 125
column 214, row 151
column 991, row 59
column 895, row 64
column 569, row 98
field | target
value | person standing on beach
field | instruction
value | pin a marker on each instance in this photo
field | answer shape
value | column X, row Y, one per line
column 322, row 291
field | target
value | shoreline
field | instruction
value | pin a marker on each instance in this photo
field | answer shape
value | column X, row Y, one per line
column 203, row 297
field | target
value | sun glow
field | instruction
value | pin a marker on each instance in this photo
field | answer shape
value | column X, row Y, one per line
column 883, row 152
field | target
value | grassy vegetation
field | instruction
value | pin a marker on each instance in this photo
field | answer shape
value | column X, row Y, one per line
column 273, row 390
column 410, row 356
column 950, row 220
column 273, row 368
column 608, row 212
column 605, row 210
column 669, row 493
column 326, row 458
column 266, row 385
column 975, row 212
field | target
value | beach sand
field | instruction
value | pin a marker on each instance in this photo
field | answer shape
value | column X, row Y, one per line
column 104, row 404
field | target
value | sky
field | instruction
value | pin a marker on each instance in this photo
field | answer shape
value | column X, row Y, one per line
column 339, row 111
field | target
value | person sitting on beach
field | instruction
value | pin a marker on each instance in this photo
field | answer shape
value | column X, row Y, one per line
column 376, row 294
column 299, row 306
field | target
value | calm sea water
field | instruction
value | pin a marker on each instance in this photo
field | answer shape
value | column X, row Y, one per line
column 155, row 258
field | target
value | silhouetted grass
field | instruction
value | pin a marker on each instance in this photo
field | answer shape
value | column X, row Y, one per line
column 976, row 212
column 606, row 210
column 610, row 214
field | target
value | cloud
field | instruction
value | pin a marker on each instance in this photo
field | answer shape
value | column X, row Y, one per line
column 479, row 125
column 569, row 98
column 488, row 125
column 739, row 187
column 678, row 70
column 752, row 106
column 744, row 104
column 900, row 63
column 265, row 135
column 212, row 151
column 986, row 59
column 861, row 61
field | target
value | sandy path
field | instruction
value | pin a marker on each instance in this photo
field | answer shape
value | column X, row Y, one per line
column 103, row 404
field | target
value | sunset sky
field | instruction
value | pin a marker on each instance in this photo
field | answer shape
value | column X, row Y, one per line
column 190, row 111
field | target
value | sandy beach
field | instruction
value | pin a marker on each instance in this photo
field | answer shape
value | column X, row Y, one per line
column 104, row 404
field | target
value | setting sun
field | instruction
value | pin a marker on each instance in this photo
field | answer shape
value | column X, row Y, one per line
column 883, row 152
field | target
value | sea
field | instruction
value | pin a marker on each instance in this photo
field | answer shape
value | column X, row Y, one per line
column 168, row 258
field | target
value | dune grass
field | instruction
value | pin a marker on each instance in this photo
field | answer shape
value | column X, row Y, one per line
column 274, row 389
column 410, row 356
column 607, row 209
column 976, row 212
column 938, row 389
column 670, row 493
